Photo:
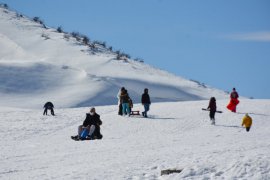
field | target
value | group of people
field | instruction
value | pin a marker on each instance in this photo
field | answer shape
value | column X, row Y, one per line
column 90, row 129
column 212, row 107
column 125, row 103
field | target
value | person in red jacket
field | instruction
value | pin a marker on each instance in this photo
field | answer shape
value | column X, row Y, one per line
column 234, row 100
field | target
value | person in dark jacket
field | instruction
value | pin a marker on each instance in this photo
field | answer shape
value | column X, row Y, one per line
column 120, row 110
column 92, row 124
column 212, row 107
column 145, row 102
column 48, row 105
column 125, row 99
column 234, row 94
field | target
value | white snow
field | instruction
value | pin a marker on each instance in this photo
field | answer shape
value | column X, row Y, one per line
column 177, row 135
column 35, row 70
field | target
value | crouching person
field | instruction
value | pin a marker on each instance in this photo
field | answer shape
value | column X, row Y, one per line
column 48, row 105
column 247, row 122
column 90, row 129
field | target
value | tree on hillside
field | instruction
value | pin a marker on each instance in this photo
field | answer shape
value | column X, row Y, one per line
column 4, row 6
column 86, row 40
column 59, row 29
column 38, row 20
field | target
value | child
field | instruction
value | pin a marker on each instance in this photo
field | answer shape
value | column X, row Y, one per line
column 145, row 102
column 212, row 108
column 247, row 122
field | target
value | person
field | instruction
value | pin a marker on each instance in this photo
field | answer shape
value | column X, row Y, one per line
column 48, row 105
column 130, row 103
column 145, row 102
column 212, row 107
column 90, row 129
column 124, row 98
column 120, row 108
column 234, row 94
column 234, row 100
column 247, row 122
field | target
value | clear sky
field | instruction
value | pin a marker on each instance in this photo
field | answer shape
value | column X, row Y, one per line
column 222, row 43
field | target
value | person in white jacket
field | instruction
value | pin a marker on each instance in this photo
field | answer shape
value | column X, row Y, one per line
column 120, row 111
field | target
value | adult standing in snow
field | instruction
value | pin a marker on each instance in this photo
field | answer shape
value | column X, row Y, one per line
column 212, row 107
column 234, row 100
column 120, row 108
column 90, row 129
column 145, row 102
column 125, row 102
column 48, row 105
column 247, row 122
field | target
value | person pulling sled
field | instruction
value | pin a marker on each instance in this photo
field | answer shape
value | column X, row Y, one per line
column 234, row 100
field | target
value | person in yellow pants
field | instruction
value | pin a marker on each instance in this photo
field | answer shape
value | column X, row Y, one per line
column 247, row 122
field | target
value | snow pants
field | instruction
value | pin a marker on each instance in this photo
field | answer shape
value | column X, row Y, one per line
column 86, row 131
column 120, row 110
column 126, row 109
column 46, row 109
column 212, row 115
column 146, row 108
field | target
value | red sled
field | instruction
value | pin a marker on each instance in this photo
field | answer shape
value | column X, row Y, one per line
column 232, row 105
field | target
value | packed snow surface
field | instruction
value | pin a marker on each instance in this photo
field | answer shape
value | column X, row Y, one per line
column 177, row 135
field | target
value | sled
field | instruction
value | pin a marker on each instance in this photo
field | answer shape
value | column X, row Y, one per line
column 76, row 138
column 232, row 104
column 135, row 113
column 204, row 109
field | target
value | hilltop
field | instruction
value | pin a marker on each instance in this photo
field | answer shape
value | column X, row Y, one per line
column 39, row 63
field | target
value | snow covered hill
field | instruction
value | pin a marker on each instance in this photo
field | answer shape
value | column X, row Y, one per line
column 177, row 135
column 39, row 64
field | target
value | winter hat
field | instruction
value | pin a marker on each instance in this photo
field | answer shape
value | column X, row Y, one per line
column 145, row 90
column 92, row 109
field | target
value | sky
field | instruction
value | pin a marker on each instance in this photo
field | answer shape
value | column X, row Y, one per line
column 222, row 43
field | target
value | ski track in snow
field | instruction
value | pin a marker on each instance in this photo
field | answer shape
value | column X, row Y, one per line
column 176, row 135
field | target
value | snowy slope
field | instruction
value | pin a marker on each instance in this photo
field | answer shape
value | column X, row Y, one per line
column 177, row 135
column 38, row 64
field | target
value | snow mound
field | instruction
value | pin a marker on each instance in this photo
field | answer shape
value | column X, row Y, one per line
column 40, row 64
